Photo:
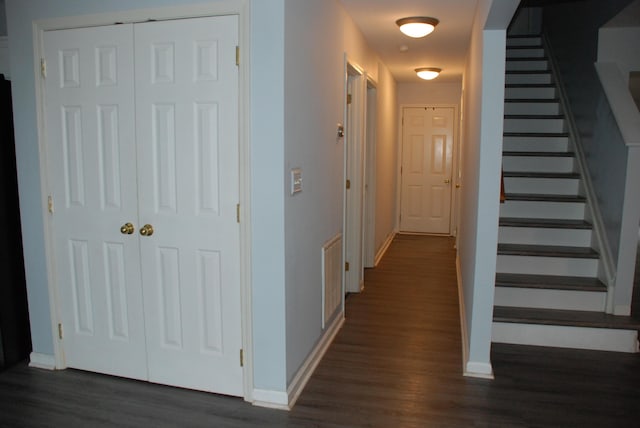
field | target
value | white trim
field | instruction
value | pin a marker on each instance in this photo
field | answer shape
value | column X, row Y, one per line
column 42, row 361
column 606, row 256
column 385, row 246
column 217, row 8
column 469, row 368
column 286, row 400
column 478, row 370
column 271, row 399
column 309, row 366
column 455, row 126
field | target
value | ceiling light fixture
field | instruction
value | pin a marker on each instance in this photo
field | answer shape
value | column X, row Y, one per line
column 428, row 73
column 417, row 26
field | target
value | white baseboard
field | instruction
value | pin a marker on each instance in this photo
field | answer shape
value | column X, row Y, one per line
column 270, row 399
column 479, row 370
column 309, row 366
column 42, row 361
column 383, row 249
column 286, row 400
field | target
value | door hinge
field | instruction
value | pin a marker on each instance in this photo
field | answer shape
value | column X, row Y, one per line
column 43, row 68
column 348, row 185
column 237, row 55
column 50, row 204
column 346, row 266
column 238, row 213
column 348, row 98
column 60, row 331
column 242, row 358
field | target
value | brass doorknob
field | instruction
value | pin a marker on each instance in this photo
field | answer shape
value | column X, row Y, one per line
column 146, row 230
column 127, row 229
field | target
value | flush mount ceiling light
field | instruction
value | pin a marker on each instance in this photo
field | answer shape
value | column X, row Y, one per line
column 428, row 73
column 417, row 26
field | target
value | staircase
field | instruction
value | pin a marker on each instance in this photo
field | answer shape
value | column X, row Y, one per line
column 547, row 290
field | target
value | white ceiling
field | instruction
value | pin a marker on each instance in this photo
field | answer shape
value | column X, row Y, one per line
column 445, row 48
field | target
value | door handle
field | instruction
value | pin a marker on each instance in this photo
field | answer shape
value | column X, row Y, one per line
column 127, row 229
column 146, row 230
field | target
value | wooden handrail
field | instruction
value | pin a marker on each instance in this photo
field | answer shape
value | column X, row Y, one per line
column 502, row 195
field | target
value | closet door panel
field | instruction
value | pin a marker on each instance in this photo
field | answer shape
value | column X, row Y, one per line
column 91, row 153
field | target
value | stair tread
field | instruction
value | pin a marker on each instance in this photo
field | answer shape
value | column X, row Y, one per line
column 547, row 251
column 555, row 282
column 539, row 153
column 527, row 58
column 553, row 175
column 564, row 318
column 530, row 85
column 534, row 116
column 549, row 223
column 536, row 134
column 544, row 197
column 527, row 71
column 532, row 100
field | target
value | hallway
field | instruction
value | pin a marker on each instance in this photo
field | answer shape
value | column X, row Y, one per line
column 396, row 363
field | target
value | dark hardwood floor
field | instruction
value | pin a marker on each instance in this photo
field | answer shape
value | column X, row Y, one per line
column 396, row 363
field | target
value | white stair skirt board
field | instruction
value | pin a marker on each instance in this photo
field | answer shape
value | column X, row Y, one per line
column 544, row 236
column 42, row 361
column 524, row 41
column 534, row 124
column 516, row 78
column 522, row 107
column 538, row 164
column 548, row 186
column 543, row 93
column 286, row 400
column 597, row 339
column 533, row 265
column 525, row 52
column 535, row 209
column 550, row 299
column 535, row 143
column 527, row 65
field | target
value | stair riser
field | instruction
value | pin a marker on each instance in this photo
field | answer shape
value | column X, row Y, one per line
column 598, row 339
column 523, row 65
column 524, row 41
column 530, row 78
column 548, row 186
column 534, row 125
column 535, row 144
column 518, row 92
column 536, row 209
column 527, row 52
column 531, row 108
column 538, row 164
column 544, row 236
column 550, row 299
column 533, row 265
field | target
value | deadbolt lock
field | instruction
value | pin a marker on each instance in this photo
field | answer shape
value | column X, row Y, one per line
column 127, row 229
column 447, row 181
column 146, row 230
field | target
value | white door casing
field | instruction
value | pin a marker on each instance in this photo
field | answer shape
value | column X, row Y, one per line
column 182, row 318
column 427, row 154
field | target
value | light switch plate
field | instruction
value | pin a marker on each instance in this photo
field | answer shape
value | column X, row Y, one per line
column 296, row 180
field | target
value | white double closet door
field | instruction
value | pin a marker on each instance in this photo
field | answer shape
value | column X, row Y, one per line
column 142, row 130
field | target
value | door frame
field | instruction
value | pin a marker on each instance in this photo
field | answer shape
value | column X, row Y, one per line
column 238, row 7
column 353, row 279
column 455, row 165
column 369, row 173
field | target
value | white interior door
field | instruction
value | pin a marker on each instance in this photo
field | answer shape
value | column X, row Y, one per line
column 187, row 114
column 147, row 141
column 427, row 153
column 92, row 161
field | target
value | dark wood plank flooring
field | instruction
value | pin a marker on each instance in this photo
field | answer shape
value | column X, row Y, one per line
column 396, row 363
